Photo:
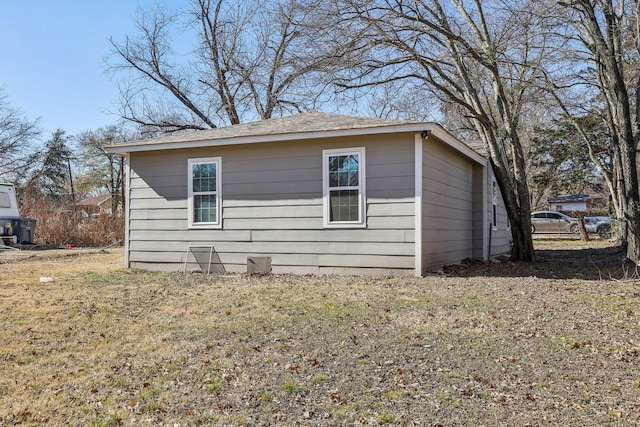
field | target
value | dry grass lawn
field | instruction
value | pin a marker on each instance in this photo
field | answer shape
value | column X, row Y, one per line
column 554, row 343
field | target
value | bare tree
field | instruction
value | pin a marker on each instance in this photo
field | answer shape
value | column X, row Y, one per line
column 605, row 34
column 249, row 60
column 477, row 57
column 102, row 170
column 398, row 101
column 17, row 136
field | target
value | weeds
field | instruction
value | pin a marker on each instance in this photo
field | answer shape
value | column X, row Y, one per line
column 106, row 347
column 393, row 394
column 292, row 387
column 62, row 225
column 319, row 379
column 386, row 418
column 113, row 420
column 215, row 384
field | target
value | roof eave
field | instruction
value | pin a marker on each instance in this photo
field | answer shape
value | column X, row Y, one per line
column 255, row 139
column 430, row 128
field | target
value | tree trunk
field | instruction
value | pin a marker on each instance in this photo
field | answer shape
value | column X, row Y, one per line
column 522, row 249
column 603, row 25
column 515, row 195
column 632, row 203
column 583, row 230
column 520, row 217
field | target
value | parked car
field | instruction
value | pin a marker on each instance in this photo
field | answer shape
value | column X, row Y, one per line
column 553, row 222
column 598, row 224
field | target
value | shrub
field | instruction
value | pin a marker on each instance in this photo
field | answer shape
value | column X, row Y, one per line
column 60, row 224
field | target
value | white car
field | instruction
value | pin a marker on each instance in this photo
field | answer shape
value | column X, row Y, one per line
column 553, row 222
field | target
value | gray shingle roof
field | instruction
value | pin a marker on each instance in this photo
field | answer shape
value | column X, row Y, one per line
column 296, row 129
column 299, row 123
column 570, row 198
column 477, row 146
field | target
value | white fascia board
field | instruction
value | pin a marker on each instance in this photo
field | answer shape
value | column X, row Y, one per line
column 256, row 139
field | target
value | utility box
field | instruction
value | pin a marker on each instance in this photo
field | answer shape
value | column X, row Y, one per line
column 258, row 264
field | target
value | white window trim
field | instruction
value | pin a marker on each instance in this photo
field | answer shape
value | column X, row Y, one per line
column 362, row 199
column 204, row 225
column 494, row 204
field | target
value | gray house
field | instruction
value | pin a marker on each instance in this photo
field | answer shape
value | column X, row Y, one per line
column 312, row 193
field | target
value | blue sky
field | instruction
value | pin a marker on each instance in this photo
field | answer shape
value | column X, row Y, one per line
column 52, row 59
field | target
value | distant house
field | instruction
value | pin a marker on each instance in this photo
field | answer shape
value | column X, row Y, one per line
column 575, row 202
column 95, row 206
column 311, row 193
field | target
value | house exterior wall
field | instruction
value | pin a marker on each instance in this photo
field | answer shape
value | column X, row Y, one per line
column 447, row 206
column 500, row 235
column 457, row 209
column 272, row 207
column 480, row 217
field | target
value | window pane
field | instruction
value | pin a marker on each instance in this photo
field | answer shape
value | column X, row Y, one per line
column 343, row 205
column 333, row 179
column 209, row 184
column 204, row 177
column 204, row 170
column 204, row 207
column 353, row 178
column 336, row 162
column 208, row 170
column 343, row 170
column 343, row 178
column 352, row 165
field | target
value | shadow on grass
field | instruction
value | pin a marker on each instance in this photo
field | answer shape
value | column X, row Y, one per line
column 562, row 259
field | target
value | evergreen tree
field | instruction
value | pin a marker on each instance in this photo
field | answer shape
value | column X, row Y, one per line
column 55, row 172
column 562, row 162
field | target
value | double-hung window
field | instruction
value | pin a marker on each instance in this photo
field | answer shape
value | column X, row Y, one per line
column 205, row 196
column 343, row 177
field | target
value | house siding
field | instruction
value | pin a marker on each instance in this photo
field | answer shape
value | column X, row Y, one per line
column 501, row 235
column 272, row 206
column 481, row 226
column 447, row 206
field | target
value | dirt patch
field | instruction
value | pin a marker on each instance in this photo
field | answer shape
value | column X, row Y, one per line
column 104, row 346
column 557, row 258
